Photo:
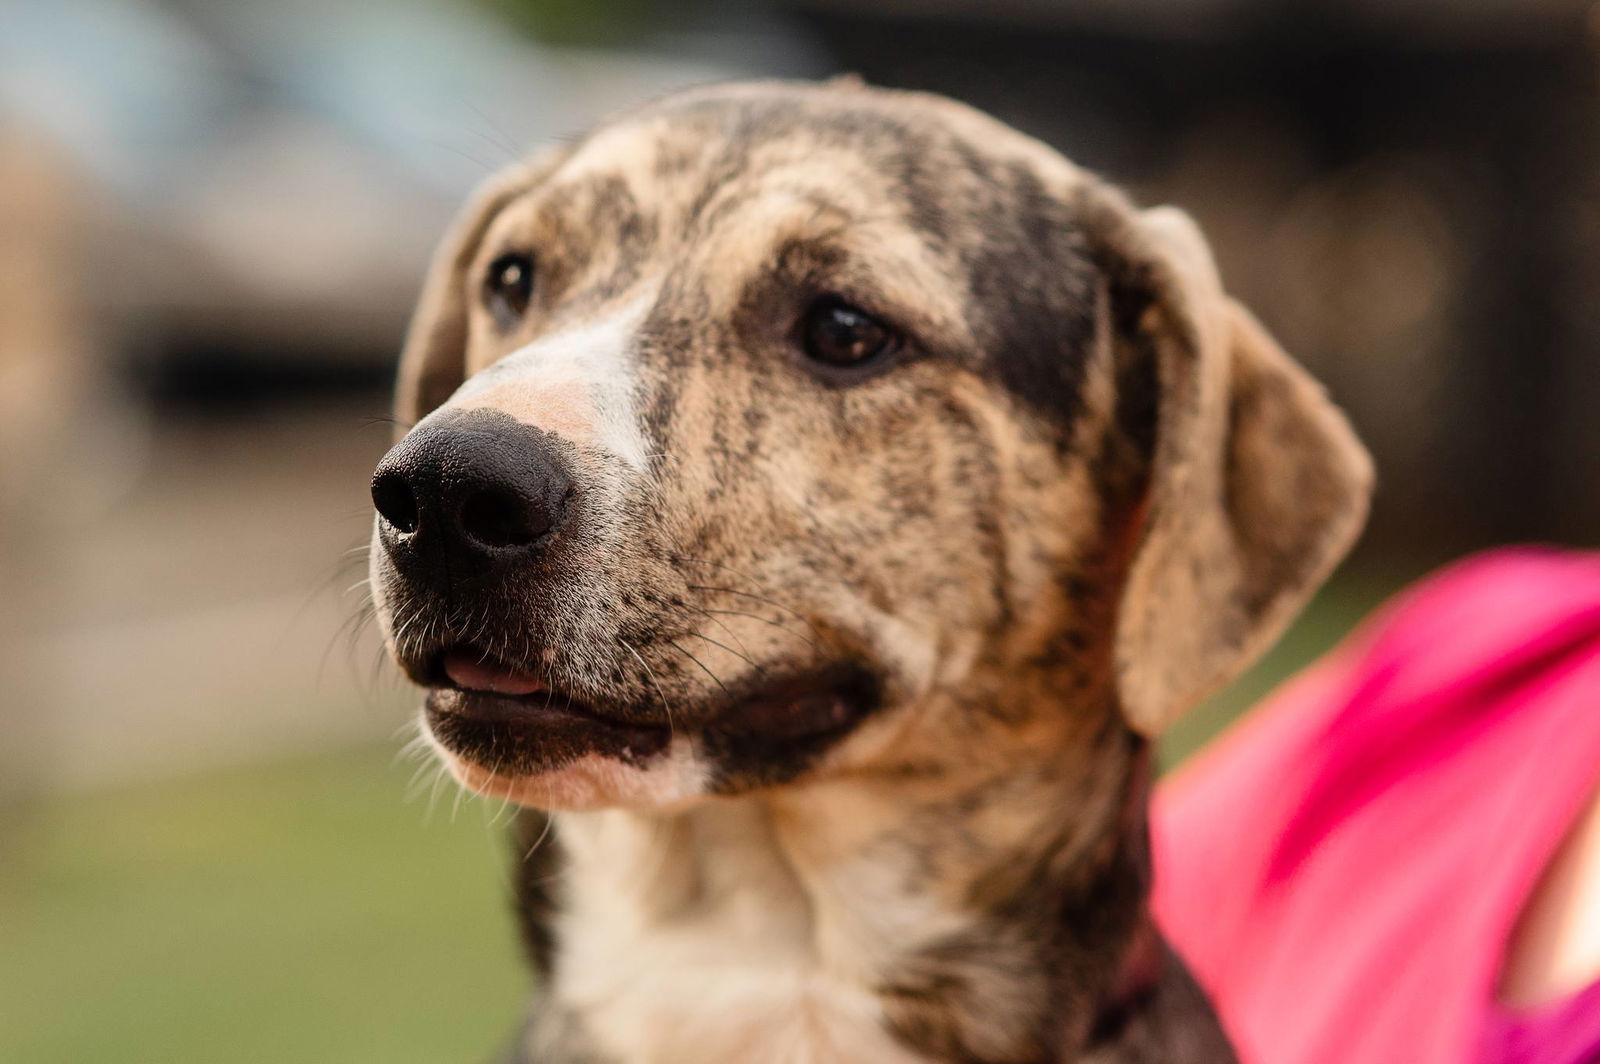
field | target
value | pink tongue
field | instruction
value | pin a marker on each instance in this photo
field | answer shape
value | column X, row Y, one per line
column 466, row 670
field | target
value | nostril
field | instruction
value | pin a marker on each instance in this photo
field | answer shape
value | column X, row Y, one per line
column 469, row 494
column 394, row 500
column 496, row 517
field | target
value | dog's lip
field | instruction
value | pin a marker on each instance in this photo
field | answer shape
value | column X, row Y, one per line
column 470, row 684
column 528, row 712
column 500, row 717
column 471, row 671
column 799, row 706
column 512, row 723
column 522, row 736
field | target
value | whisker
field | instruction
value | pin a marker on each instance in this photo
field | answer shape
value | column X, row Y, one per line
column 544, row 833
column 440, row 778
column 349, row 631
column 672, row 733
column 764, row 620
column 651, row 673
column 714, row 677
column 723, row 625
column 742, row 657
column 503, row 143
column 432, row 143
column 455, row 804
column 761, row 599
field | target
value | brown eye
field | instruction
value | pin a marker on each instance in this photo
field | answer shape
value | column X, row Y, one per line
column 508, row 286
column 837, row 334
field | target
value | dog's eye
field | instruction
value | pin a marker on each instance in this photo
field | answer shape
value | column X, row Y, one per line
column 508, row 286
column 837, row 334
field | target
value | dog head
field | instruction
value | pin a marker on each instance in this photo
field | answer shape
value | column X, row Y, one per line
column 781, row 431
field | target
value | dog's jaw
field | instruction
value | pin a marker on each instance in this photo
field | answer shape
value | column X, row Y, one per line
column 662, row 785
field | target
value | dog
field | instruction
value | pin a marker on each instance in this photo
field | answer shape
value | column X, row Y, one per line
column 817, row 497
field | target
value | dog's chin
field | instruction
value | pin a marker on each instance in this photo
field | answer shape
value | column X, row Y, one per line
column 593, row 781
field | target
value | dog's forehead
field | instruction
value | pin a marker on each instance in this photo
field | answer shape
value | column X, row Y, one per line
column 928, row 155
column 941, row 205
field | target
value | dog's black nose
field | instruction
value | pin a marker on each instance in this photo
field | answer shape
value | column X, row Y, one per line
column 468, row 493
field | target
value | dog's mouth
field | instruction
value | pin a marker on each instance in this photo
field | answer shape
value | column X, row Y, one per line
column 511, row 723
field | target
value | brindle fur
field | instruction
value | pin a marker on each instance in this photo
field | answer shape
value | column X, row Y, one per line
column 1093, row 492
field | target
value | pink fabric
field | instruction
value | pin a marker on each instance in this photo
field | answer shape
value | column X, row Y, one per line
column 1343, row 868
column 1565, row 1032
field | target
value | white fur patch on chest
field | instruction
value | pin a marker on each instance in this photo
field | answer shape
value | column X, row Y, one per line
column 668, row 958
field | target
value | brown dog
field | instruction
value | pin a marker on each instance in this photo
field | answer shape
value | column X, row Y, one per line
column 817, row 498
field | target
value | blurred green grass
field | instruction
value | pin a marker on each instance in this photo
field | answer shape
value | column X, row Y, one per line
column 307, row 912
column 300, row 912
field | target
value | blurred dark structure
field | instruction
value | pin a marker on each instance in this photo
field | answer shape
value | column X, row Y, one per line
column 1406, row 192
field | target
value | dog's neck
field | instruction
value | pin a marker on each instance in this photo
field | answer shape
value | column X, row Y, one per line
column 999, row 916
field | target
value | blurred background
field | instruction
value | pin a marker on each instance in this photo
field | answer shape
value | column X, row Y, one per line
column 214, row 216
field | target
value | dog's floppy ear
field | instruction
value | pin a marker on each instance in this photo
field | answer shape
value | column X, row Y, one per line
column 433, row 361
column 1256, row 484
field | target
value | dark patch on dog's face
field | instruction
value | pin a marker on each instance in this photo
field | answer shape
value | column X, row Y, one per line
column 884, row 531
